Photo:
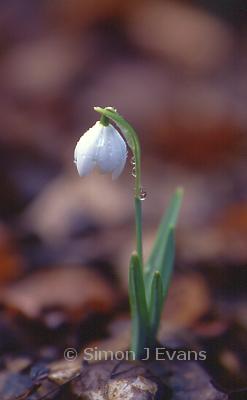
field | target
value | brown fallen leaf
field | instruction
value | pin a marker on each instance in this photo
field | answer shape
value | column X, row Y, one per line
column 62, row 371
column 113, row 380
column 220, row 240
column 78, row 291
column 188, row 299
column 173, row 380
column 187, row 379
column 68, row 197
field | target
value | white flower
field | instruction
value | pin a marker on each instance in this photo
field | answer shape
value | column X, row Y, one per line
column 101, row 146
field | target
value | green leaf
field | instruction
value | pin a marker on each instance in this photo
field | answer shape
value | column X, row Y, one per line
column 165, row 266
column 163, row 252
column 156, row 304
column 138, row 305
column 169, row 219
column 167, row 261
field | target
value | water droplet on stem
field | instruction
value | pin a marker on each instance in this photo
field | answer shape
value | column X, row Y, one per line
column 133, row 161
column 142, row 195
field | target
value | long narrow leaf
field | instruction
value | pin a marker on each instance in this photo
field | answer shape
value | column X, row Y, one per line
column 165, row 265
column 138, row 305
column 167, row 261
column 156, row 304
column 169, row 218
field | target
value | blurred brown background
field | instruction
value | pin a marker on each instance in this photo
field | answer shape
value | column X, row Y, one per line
column 177, row 70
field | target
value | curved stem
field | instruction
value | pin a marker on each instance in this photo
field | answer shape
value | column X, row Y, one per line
column 104, row 120
column 133, row 142
column 131, row 139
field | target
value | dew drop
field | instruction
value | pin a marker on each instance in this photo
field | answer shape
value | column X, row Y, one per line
column 133, row 173
column 142, row 195
column 133, row 161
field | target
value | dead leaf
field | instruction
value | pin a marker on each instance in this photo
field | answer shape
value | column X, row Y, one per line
column 77, row 291
column 113, row 380
column 187, row 379
column 188, row 300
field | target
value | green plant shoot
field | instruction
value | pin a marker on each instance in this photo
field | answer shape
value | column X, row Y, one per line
column 148, row 282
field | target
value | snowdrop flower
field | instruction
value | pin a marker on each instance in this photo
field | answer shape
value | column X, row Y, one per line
column 103, row 147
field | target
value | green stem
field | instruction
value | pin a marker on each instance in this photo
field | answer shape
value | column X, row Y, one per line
column 104, row 120
column 137, row 156
column 140, row 318
column 138, row 219
column 133, row 142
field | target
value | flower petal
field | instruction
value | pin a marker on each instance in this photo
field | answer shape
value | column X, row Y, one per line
column 85, row 165
column 111, row 151
column 117, row 171
column 85, row 153
column 104, row 155
column 102, row 146
column 121, row 155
